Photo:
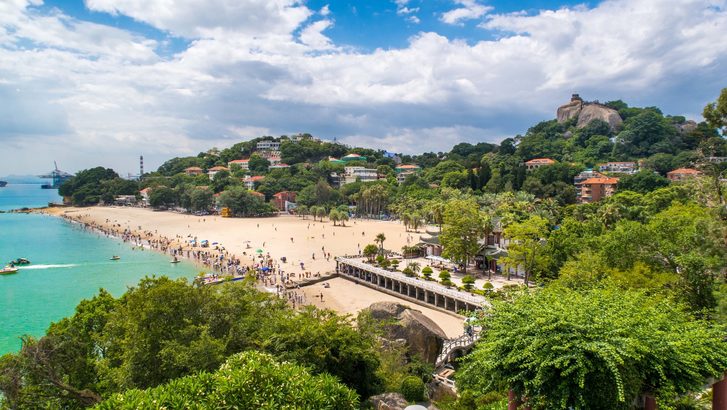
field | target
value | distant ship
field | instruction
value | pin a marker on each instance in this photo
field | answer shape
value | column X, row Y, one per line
column 2, row 184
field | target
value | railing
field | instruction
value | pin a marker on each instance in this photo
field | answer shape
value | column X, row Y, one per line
column 442, row 290
column 450, row 345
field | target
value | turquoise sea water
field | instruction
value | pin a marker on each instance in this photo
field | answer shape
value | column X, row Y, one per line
column 68, row 265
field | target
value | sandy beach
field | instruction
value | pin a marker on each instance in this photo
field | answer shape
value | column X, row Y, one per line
column 298, row 240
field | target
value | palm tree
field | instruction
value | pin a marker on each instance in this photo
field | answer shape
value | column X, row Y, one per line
column 321, row 212
column 343, row 217
column 380, row 238
column 334, row 216
column 414, row 266
column 302, row 210
column 405, row 218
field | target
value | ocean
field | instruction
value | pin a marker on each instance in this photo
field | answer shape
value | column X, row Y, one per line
column 69, row 264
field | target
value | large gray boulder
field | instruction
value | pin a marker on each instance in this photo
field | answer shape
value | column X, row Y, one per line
column 585, row 112
column 592, row 112
column 423, row 337
column 570, row 110
column 389, row 401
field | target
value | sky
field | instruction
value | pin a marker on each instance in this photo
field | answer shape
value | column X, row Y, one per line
column 100, row 82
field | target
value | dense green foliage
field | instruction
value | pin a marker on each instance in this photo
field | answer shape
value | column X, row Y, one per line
column 242, row 203
column 598, row 349
column 412, row 388
column 162, row 330
column 245, row 381
column 94, row 185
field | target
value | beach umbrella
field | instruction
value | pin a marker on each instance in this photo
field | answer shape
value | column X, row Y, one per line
column 265, row 269
column 214, row 243
column 259, row 251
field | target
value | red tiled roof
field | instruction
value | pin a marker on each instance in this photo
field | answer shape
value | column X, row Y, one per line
column 193, row 169
column 239, row 161
column 218, row 168
column 684, row 171
column 408, row 166
column 540, row 161
column 254, row 178
column 602, row 181
column 260, row 194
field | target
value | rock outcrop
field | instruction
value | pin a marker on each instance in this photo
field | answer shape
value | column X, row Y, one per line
column 585, row 112
column 423, row 337
column 388, row 401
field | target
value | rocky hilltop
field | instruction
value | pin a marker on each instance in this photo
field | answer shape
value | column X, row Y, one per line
column 586, row 112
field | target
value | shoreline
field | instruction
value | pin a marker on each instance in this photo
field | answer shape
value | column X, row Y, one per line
column 293, row 251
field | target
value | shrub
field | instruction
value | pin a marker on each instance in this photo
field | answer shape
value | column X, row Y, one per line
column 446, row 282
column 408, row 272
column 427, row 272
column 413, row 389
column 468, row 282
column 445, row 275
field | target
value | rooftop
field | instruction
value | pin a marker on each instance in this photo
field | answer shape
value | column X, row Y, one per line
column 541, row 161
column 601, row 181
column 684, row 171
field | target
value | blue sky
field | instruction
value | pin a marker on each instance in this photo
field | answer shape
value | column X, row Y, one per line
column 98, row 82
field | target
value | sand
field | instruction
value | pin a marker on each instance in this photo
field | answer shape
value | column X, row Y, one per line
column 347, row 297
column 244, row 236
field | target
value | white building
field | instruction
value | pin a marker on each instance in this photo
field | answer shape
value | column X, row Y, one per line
column 353, row 174
column 620, row 167
column 268, row 146
column 242, row 163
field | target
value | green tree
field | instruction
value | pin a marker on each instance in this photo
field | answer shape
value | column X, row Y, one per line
column 463, row 228
column 163, row 197
column 246, row 380
column 468, row 282
column 527, row 246
column 242, row 203
column 427, row 272
column 716, row 112
column 334, row 216
column 370, row 251
column 380, row 238
column 258, row 164
column 643, row 182
column 201, row 200
column 412, row 388
column 559, row 349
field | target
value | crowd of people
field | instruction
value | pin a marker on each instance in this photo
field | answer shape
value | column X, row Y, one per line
column 274, row 275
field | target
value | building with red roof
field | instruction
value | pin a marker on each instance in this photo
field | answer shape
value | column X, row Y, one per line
column 680, row 174
column 536, row 163
column 595, row 189
column 282, row 198
column 192, row 171
column 251, row 181
column 242, row 163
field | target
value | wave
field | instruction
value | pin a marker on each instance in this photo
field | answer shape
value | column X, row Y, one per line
column 33, row 267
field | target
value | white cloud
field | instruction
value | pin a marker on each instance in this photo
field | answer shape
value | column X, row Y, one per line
column 469, row 10
column 194, row 18
column 325, row 11
column 313, row 36
column 103, row 95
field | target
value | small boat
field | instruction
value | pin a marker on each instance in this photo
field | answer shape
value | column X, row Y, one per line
column 8, row 270
column 175, row 260
column 20, row 261
column 115, row 258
